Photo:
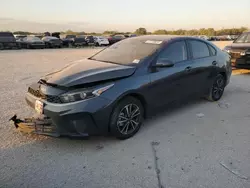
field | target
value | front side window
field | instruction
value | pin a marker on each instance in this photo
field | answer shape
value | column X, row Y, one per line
column 199, row 49
column 175, row 52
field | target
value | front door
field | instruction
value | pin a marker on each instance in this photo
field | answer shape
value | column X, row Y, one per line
column 171, row 83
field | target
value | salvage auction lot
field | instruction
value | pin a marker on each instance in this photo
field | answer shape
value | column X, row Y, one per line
column 199, row 144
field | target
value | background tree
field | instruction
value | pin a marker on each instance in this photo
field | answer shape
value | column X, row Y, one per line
column 109, row 32
column 141, row 31
column 160, row 32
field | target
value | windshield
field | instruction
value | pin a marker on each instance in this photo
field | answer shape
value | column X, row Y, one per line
column 33, row 38
column 70, row 36
column 244, row 38
column 127, row 51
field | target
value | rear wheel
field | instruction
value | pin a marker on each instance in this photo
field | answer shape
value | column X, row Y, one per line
column 1, row 46
column 126, row 119
column 217, row 89
column 70, row 45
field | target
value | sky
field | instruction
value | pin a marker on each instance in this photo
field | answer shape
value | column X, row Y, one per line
column 126, row 15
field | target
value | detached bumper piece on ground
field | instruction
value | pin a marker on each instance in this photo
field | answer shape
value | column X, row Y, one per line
column 36, row 125
column 43, row 126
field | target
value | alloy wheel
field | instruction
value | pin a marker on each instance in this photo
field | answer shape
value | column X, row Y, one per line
column 128, row 119
column 218, row 88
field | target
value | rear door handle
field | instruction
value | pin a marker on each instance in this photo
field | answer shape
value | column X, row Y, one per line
column 214, row 63
column 188, row 69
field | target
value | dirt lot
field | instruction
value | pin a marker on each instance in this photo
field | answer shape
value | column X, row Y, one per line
column 199, row 144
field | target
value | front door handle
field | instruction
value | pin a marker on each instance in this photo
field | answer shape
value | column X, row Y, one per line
column 188, row 69
column 214, row 63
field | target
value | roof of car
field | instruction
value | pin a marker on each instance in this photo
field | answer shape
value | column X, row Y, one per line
column 157, row 37
column 50, row 37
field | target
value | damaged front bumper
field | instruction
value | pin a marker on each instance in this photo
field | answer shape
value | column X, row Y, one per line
column 41, row 126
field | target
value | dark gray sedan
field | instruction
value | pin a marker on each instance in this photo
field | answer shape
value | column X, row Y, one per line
column 116, row 89
column 31, row 42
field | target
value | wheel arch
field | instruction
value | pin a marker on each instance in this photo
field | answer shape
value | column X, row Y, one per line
column 134, row 95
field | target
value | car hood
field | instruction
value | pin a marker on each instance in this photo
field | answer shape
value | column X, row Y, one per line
column 87, row 71
column 240, row 46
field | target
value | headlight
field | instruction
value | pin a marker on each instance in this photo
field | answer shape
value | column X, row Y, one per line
column 84, row 94
column 227, row 50
column 243, row 53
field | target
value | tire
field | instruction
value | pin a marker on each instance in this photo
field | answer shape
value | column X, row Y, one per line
column 18, row 46
column 217, row 89
column 70, row 45
column 123, row 125
column 1, row 46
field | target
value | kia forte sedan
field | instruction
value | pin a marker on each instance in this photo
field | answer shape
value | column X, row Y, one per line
column 113, row 91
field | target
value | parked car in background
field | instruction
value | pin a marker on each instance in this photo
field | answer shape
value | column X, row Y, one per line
column 39, row 36
column 113, row 91
column 19, row 36
column 115, row 38
column 101, row 41
column 31, row 42
column 90, row 40
column 132, row 35
column 80, row 41
column 7, row 41
column 240, row 51
column 52, row 42
column 56, row 34
column 204, row 37
column 68, row 40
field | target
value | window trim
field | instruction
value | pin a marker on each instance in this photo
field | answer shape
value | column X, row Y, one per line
column 167, row 45
column 191, row 50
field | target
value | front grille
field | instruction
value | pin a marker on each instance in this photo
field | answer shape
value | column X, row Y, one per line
column 49, row 98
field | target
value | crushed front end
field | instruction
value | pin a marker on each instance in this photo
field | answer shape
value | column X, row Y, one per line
column 80, row 118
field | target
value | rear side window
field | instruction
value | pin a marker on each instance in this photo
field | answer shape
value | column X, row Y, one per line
column 175, row 52
column 212, row 50
column 199, row 49
column 4, row 34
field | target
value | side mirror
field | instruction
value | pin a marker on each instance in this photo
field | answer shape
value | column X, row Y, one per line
column 161, row 63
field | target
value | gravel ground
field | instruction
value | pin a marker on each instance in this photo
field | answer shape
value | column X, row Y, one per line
column 199, row 144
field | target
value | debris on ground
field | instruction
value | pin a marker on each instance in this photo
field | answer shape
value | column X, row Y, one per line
column 233, row 171
column 99, row 147
column 155, row 143
column 224, row 105
column 200, row 115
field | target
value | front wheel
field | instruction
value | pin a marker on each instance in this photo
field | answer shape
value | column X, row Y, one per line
column 217, row 89
column 126, row 118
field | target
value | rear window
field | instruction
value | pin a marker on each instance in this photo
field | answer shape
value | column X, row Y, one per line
column 30, row 38
column 70, row 36
column 127, row 51
column 6, row 34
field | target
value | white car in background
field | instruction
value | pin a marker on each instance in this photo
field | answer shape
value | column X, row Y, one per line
column 100, row 41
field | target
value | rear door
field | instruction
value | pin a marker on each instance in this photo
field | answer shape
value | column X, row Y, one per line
column 204, row 64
